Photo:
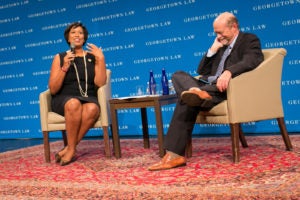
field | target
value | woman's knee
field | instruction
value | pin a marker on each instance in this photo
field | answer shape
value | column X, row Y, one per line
column 91, row 110
column 72, row 105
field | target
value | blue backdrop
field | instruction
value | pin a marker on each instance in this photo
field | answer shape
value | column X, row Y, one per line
column 136, row 36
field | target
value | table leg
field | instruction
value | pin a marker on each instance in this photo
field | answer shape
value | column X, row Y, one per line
column 145, row 128
column 115, row 131
column 159, row 127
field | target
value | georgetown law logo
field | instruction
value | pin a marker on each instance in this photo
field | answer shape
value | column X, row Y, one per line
column 170, row 5
column 114, row 16
column 94, row 3
column 148, row 26
column 275, row 5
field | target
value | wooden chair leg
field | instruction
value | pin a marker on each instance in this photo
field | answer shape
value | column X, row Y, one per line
column 112, row 136
column 64, row 136
column 284, row 134
column 106, row 142
column 235, row 129
column 145, row 128
column 115, row 132
column 46, row 146
column 189, row 147
column 242, row 137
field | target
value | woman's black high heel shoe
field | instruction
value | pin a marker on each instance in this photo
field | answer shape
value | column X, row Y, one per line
column 57, row 156
column 66, row 162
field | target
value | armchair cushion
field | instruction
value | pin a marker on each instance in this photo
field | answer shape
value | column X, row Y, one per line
column 54, row 118
column 220, row 109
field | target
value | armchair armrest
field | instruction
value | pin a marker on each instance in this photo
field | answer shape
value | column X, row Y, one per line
column 45, row 107
column 104, row 95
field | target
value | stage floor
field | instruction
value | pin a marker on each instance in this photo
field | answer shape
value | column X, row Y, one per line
column 13, row 144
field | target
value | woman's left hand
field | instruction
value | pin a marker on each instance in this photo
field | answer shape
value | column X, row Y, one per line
column 97, row 52
column 100, row 66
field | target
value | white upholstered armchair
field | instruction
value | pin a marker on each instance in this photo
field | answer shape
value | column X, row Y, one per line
column 252, row 96
column 51, row 121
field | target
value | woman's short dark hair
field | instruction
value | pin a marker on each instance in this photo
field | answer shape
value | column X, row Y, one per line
column 75, row 25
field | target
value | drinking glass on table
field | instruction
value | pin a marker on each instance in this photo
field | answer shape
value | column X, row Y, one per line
column 139, row 90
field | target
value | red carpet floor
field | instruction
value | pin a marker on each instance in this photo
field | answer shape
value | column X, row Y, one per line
column 266, row 171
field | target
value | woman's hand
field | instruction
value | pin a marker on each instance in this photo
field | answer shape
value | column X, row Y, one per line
column 97, row 52
column 69, row 57
column 100, row 66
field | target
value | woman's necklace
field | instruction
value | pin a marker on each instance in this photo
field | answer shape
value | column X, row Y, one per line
column 83, row 93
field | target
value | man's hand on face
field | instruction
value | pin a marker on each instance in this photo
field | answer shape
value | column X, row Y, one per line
column 216, row 45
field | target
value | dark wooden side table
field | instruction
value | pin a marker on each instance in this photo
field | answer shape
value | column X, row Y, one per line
column 142, row 103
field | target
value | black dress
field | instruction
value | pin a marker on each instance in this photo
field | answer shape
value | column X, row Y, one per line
column 70, row 88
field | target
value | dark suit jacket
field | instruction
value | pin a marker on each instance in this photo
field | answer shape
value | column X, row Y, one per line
column 245, row 55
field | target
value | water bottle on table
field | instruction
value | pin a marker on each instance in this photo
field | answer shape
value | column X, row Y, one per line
column 164, row 83
column 152, row 84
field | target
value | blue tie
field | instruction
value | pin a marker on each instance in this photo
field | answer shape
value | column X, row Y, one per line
column 221, row 65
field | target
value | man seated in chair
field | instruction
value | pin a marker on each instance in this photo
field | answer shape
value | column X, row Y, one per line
column 232, row 53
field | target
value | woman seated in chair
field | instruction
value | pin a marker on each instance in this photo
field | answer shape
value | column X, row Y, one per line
column 74, row 78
